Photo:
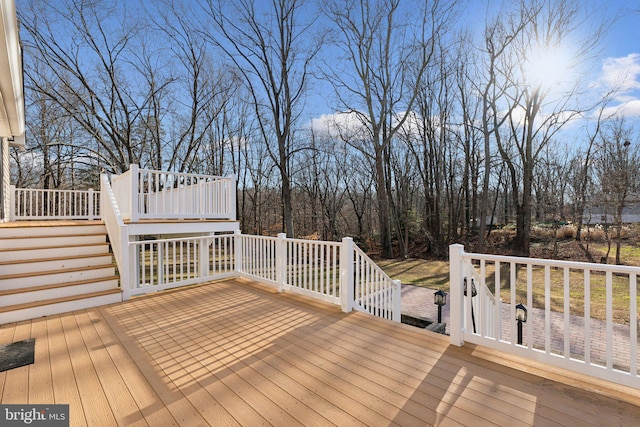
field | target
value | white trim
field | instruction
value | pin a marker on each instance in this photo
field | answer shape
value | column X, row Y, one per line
column 11, row 89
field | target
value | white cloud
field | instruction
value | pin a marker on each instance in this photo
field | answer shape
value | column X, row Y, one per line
column 337, row 123
column 623, row 75
column 623, row 72
column 628, row 109
column 354, row 125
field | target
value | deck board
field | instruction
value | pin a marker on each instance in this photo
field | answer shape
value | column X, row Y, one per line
column 234, row 353
column 16, row 380
column 65, row 387
column 95, row 405
column 40, row 373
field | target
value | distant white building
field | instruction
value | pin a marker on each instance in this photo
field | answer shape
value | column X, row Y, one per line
column 601, row 213
column 12, row 119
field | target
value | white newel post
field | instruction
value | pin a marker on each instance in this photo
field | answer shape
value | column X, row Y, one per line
column 135, row 197
column 12, row 203
column 346, row 274
column 397, row 301
column 281, row 260
column 237, row 250
column 161, row 262
column 204, row 257
column 233, row 197
column 90, row 207
column 127, row 255
column 455, row 293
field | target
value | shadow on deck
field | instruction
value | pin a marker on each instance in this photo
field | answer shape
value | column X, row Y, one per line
column 236, row 353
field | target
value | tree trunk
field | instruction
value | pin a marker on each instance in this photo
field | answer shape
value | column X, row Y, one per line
column 383, row 205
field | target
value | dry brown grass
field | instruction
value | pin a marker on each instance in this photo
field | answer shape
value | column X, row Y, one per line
column 566, row 232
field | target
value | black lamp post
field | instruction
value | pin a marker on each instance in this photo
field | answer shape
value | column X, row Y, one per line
column 440, row 299
column 521, row 317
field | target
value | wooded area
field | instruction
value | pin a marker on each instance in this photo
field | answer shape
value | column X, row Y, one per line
column 433, row 132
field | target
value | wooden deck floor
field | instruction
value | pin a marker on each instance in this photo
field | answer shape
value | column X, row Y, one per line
column 237, row 353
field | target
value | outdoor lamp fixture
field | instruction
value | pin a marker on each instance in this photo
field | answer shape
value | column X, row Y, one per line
column 521, row 317
column 440, row 299
column 474, row 291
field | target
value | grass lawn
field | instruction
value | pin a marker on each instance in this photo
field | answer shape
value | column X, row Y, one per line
column 435, row 274
column 418, row 272
column 629, row 254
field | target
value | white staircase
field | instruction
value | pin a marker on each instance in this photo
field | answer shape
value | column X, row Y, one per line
column 54, row 267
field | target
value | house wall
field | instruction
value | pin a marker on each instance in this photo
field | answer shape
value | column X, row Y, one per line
column 4, row 180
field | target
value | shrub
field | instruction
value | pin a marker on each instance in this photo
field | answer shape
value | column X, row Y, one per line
column 566, row 232
column 595, row 234
column 541, row 233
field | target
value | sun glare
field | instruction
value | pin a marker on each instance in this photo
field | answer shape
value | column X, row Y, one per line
column 548, row 69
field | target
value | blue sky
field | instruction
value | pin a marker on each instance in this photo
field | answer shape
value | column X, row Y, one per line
column 617, row 60
column 624, row 36
column 621, row 54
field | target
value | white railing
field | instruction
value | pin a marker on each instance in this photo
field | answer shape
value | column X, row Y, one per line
column 482, row 302
column 139, row 194
column 257, row 258
column 169, row 263
column 150, row 194
column 33, row 204
column 118, row 235
column 122, row 186
column 336, row 272
column 308, row 267
column 580, row 316
column 374, row 292
column 313, row 268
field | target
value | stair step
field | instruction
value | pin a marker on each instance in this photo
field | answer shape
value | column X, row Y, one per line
column 8, row 255
column 63, row 275
column 57, row 290
column 51, row 267
column 44, row 228
column 34, row 241
column 32, row 310
column 33, row 265
column 54, row 285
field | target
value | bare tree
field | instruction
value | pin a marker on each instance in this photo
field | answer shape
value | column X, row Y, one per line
column 618, row 167
column 359, row 183
column 432, row 140
column 84, row 73
column 542, row 106
column 492, row 82
column 272, row 47
column 582, row 163
column 470, row 109
column 204, row 89
column 387, row 52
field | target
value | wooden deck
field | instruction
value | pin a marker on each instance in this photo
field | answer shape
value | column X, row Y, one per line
column 237, row 353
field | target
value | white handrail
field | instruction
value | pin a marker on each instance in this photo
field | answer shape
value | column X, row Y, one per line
column 374, row 291
column 168, row 263
column 184, row 195
column 561, row 327
column 313, row 266
column 32, row 203
column 484, row 303
column 308, row 267
column 321, row 270
column 123, row 192
column 118, row 235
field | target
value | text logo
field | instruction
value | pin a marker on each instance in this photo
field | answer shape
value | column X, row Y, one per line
column 34, row 415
